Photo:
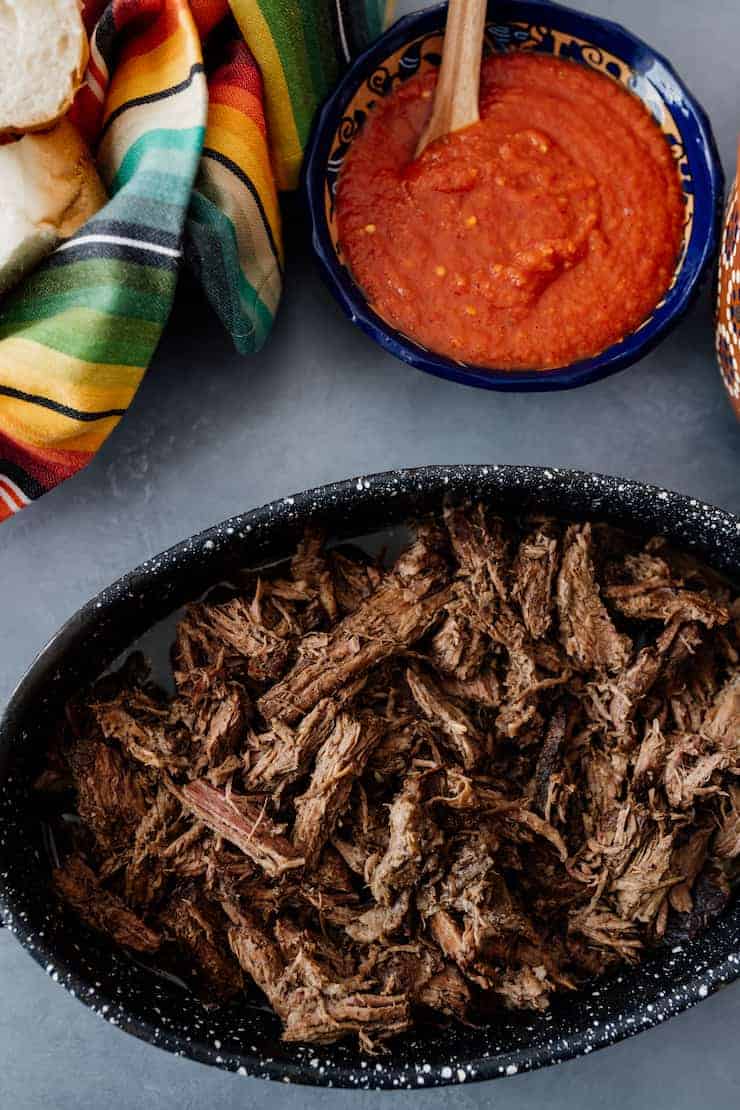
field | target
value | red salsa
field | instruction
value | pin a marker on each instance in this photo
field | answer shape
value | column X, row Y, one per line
column 538, row 236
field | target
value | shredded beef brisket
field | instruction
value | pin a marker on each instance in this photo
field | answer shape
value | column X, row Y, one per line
column 586, row 629
column 381, row 796
column 81, row 889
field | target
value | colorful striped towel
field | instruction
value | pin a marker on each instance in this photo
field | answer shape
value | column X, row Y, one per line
column 198, row 113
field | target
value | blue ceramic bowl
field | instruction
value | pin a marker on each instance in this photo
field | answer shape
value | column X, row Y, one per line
column 412, row 46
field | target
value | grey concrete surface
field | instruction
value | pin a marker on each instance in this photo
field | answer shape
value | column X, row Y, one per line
column 210, row 434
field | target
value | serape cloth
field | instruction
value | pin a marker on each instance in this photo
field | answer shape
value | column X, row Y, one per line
column 198, row 114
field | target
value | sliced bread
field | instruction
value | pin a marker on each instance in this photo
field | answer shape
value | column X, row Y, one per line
column 48, row 188
column 43, row 55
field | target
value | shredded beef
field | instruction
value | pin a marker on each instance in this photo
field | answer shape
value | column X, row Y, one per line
column 550, row 759
column 412, row 837
column 80, row 887
column 586, row 629
column 534, row 573
column 111, row 796
column 429, row 792
column 244, row 822
column 451, row 720
column 341, row 759
column 197, row 929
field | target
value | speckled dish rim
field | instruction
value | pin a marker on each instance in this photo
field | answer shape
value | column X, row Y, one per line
column 693, row 124
column 661, row 987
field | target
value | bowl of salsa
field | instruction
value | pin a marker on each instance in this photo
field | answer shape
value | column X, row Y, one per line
column 552, row 243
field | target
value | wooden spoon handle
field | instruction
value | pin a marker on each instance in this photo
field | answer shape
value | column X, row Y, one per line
column 456, row 96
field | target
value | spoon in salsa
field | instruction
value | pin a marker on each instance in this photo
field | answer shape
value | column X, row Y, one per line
column 456, row 96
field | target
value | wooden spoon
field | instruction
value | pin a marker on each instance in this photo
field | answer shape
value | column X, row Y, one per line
column 456, row 95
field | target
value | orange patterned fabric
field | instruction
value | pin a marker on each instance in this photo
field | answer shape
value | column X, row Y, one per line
column 728, row 302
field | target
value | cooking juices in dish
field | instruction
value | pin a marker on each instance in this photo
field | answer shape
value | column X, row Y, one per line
column 538, row 236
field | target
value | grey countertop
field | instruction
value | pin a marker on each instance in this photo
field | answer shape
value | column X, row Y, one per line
column 210, row 434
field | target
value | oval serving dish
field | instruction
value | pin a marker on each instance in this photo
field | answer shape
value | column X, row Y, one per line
column 413, row 46
column 245, row 1036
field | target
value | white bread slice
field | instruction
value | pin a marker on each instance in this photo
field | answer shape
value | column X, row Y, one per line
column 43, row 55
column 48, row 188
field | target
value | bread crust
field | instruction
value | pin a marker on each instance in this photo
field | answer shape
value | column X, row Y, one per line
column 50, row 188
column 13, row 130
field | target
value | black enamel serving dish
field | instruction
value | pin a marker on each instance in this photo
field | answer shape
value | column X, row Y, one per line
column 245, row 1037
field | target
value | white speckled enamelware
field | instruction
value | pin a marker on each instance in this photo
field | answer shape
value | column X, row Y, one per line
column 245, row 1037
